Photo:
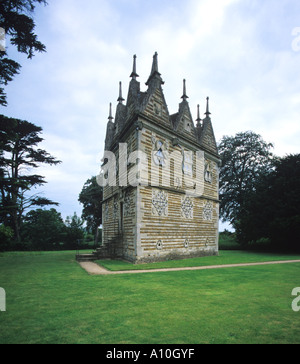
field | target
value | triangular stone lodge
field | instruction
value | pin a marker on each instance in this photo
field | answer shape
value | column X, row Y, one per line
column 161, row 198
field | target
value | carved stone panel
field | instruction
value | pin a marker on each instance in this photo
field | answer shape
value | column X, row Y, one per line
column 127, row 204
column 159, row 203
column 208, row 211
column 187, row 207
column 116, row 209
column 106, row 211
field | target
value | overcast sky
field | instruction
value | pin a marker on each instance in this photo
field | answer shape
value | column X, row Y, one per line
column 243, row 54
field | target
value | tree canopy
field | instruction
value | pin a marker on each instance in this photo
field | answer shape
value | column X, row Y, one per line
column 19, row 155
column 245, row 157
column 272, row 209
column 16, row 18
column 46, row 230
column 91, row 198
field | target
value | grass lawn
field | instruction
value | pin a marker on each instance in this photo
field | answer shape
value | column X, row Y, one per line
column 51, row 299
column 225, row 257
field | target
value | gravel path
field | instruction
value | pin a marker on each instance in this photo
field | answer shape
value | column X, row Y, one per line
column 94, row 269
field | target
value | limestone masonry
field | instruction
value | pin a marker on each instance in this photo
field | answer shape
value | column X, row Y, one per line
column 160, row 176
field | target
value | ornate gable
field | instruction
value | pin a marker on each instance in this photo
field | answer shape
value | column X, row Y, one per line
column 182, row 121
column 154, row 104
column 207, row 137
column 155, row 107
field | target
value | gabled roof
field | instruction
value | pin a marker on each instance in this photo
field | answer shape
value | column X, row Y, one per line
column 152, row 105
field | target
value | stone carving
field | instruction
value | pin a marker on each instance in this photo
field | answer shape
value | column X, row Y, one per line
column 106, row 211
column 208, row 211
column 127, row 204
column 159, row 245
column 116, row 209
column 186, row 243
column 159, row 203
column 187, row 207
column 157, row 109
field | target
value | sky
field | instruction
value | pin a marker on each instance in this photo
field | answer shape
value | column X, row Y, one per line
column 243, row 54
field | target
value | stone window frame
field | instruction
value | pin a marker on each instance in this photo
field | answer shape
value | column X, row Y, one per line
column 159, row 145
column 187, row 162
column 208, row 171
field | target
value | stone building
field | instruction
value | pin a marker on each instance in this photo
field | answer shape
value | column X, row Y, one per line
column 160, row 177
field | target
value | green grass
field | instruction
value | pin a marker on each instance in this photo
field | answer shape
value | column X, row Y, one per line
column 224, row 257
column 51, row 299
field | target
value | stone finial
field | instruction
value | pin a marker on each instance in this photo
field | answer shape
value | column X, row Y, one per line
column 120, row 99
column 110, row 112
column 184, row 96
column 154, row 64
column 207, row 113
column 134, row 75
column 198, row 116
column 154, row 71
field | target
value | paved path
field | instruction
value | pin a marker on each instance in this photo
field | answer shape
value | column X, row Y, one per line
column 95, row 269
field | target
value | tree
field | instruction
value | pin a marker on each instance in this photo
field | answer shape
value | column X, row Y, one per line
column 43, row 230
column 273, row 208
column 74, row 231
column 19, row 154
column 6, row 235
column 91, row 197
column 245, row 157
column 17, row 22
